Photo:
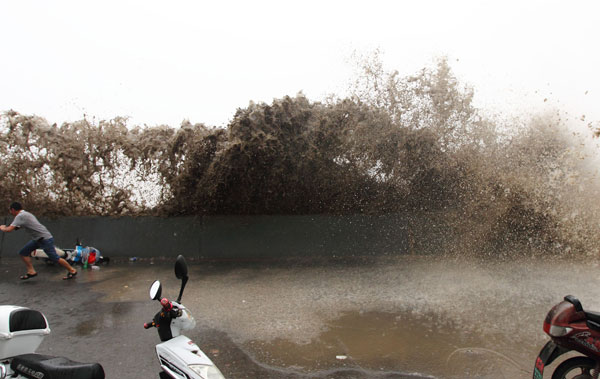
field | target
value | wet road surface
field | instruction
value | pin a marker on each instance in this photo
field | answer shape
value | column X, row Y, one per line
column 386, row 318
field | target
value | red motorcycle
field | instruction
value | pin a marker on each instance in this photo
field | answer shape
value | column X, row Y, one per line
column 571, row 329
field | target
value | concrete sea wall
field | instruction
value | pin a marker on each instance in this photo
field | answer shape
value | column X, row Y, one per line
column 229, row 237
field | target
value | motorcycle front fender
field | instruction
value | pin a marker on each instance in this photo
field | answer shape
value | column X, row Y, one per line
column 547, row 355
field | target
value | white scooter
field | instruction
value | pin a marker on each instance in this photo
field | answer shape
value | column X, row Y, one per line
column 41, row 254
column 179, row 357
column 21, row 332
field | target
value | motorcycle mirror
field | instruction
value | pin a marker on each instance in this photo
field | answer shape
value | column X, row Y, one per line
column 155, row 290
column 181, row 272
column 181, row 268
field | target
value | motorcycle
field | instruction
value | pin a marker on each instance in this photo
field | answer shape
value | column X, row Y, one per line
column 79, row 255
column 21, row 332
column 179, row 357
column 571, row 329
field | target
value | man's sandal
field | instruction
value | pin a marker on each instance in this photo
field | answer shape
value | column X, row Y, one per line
column 70, row 275
column 27, row 276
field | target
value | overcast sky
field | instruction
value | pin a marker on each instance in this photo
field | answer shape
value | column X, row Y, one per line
column 160, row 62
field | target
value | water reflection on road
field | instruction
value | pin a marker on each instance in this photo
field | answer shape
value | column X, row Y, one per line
column 435, row 317
column 386, row 343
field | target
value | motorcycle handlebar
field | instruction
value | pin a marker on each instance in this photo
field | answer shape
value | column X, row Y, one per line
column 166, row 304
column 168, row 307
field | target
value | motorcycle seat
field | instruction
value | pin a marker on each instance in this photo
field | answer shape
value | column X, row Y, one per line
column 49, row 367
column 593, row 319
column 593, row 316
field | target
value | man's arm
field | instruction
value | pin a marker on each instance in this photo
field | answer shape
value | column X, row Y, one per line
column 7, row 229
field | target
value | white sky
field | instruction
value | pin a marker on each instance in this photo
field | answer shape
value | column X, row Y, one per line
column 165, row 61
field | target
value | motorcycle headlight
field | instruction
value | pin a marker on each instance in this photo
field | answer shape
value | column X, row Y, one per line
column 207, row 372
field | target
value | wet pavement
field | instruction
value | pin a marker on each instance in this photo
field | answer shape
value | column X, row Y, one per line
column 385, row 318
column 96, row 317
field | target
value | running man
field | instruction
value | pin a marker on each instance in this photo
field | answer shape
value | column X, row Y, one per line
column 41, row 239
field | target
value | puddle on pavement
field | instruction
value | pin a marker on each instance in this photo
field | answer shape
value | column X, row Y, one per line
column 392, row 343
column 86, row 328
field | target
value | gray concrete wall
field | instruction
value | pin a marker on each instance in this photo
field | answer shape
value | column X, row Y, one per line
column 228, row 237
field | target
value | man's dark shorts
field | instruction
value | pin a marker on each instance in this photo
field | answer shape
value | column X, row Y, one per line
column 45, row 244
